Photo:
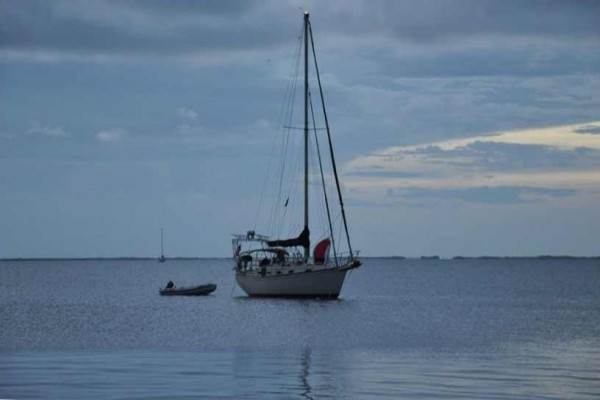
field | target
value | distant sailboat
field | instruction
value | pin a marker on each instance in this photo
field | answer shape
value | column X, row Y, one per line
column 162, row 253
column 285, row 268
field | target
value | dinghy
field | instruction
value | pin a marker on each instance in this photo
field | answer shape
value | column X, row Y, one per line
column 201, row 290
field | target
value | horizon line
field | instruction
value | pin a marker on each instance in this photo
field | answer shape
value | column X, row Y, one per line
column 398, row 257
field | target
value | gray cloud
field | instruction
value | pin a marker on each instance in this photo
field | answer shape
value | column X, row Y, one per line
column 402, row 111
column 46, row 131
column 132, row 27
column 500, row 157
column 589, row 130
column 513, row 59
column 374, row 172
column 436, row 20
column 111, row 135
column 229, row 8
column 488, row 195
column 175, row 28
column 439, row 85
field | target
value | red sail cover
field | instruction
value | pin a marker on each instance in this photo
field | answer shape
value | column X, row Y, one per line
column 321, row 251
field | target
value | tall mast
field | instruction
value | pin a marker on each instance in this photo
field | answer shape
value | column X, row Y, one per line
column 306, row 249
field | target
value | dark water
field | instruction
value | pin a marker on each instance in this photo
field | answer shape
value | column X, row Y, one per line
column 480, row 329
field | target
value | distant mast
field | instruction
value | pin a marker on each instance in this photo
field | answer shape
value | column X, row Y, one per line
column 162, row 253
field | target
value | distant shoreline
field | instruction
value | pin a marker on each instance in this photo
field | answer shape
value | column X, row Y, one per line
column 540, row 257
column 426, row 258
column 106, row 258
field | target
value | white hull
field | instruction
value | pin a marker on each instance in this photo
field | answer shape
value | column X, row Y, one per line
column 325, row 283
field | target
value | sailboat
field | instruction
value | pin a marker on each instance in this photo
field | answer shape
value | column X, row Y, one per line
column 162, row 253
column 266, row 267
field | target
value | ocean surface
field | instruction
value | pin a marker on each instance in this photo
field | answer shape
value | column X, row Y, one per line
column 410, row 329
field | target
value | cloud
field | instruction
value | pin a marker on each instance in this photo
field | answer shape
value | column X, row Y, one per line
column 188, row 114
column 589, row 130
column 129, row 30
column 505, row 167
column 499, row 156
column 48, row 131
column 507, row 55
column 111, row 135
column 6, row 135
column 430, row 21
column 263, row 123
column 401, row 110
column 209, row 30
column 486, row 194
column 190, row 129
column 190, row 125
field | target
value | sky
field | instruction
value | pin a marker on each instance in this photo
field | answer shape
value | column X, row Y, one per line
column 460, row 127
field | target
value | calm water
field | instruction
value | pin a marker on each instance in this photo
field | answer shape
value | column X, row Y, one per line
column 480, row 329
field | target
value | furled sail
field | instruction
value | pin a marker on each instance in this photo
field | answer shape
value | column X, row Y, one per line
column 302, row 240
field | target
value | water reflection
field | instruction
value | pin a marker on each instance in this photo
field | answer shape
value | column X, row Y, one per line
column 567, row 370
column 306, row 373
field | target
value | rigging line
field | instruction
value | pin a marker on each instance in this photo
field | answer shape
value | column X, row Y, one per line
column 277, row 205
column 294, row 179
column 282, row 111
column 288, row 136
column 322, row 227
column 292, row 92
column 312, row 111
column 264, row 185
column 285, row 144
column 288, row 189
column 337, row 181
column 292, row 79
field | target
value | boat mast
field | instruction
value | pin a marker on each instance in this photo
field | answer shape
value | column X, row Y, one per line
column 306, row 249
column 162, row 253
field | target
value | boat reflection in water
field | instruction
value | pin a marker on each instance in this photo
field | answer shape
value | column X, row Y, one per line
column 306, row 374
